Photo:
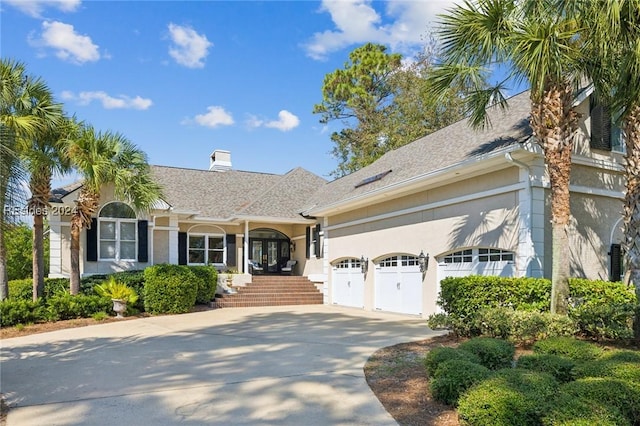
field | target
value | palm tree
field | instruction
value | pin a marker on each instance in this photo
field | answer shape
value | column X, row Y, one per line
column 42, row 157
column 26, row 110
column 540, row 46
column 612, row 41
column 106, row 158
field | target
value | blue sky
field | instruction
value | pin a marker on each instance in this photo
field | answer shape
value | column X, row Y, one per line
column 182, row 78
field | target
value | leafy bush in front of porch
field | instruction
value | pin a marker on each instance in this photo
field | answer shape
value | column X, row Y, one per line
column 23, row 289
column 517, row 308
column 208, row 282
column 169, row 289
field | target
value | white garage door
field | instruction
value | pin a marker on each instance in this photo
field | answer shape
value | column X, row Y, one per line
column 398, row 285
column 348, row 283
column 477, row 261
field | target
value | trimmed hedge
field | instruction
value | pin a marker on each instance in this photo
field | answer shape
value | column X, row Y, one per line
column 510, row 397
column 18, row 311
column 454, row 377
column 618, row 396
column 599, row 309
column 558, row 366
column 437, row 356
column 610, row 368
column 66, row 306
column 208, row 283
column 23, row 289
column 577, row 350
column 493, row 353
column 169, row 289
column 570, row 410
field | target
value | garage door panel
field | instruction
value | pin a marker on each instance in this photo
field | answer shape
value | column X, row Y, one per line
column 398, row 288
column 348, row 287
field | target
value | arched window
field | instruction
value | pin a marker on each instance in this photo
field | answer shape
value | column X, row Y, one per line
column 117, row 232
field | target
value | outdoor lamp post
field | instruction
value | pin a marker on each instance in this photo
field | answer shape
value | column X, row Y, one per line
column 423, row 261
column 364, row 264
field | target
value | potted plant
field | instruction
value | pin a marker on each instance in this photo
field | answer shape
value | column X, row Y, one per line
column 120, row 294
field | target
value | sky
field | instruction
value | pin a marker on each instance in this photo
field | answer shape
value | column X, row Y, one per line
column 182, row 78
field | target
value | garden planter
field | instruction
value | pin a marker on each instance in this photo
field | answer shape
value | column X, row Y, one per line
column 119, row 306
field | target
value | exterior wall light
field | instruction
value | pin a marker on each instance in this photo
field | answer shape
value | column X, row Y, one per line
column 364, row 264
column 423, row 261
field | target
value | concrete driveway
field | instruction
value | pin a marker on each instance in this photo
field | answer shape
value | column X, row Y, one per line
column 255, row 366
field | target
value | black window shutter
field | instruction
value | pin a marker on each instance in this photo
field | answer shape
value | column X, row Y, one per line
column 307, row 242
column 616, row 262
column 600, row 127
column 143, row 241
column 316, row 237
column 92, row 241
column 231, row 250
column 182, row 248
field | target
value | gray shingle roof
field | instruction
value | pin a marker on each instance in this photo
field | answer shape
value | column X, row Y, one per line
column 233, row 193
column 446, row 147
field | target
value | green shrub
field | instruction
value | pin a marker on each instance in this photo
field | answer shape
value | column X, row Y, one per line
column 600, row 309
column 600, row 392
column 454, row 377
column 436, row 356
column 66, row 306
column 169, row 289
column 208, row 283
column 577, row 350
column 17, row 311
column 493, row 353
column 556, row 365
column 610, row 368
column 509, row 397
column 461, row 297
column 21, row 289
column 570, row 410
column 55, row 286
column 520, row 327
column 438, row 321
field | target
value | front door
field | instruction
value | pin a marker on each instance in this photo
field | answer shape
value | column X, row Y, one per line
column 271, row 254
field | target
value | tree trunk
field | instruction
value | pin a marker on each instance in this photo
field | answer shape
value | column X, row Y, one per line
column 38, row 257
column 74, row 279
column 86, row 206
column 631, row 212
column 4, row 278
column 554, row 123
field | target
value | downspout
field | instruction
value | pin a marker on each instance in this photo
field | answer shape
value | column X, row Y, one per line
column 530, row 250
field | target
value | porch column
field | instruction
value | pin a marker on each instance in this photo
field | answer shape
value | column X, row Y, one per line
column 173, row 240
column 245, row 245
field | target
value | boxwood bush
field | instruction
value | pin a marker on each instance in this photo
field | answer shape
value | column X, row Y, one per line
column 23, row 289
column 510, row 397
column 618, row 395
column 169, row 289
column 577, row 350
column 454, row 377
column 493, row 353
column 208, row 283
column 437, row 356
column 558, row 366
column 65, row 306
column 17, row 311
column 610, row 368
column 571, row 410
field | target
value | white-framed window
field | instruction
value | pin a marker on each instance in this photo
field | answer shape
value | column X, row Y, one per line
column 206, row 249
column 494, row 255
column 117, row 232
column 348, row 263
column 462, row 256
column 395, row 261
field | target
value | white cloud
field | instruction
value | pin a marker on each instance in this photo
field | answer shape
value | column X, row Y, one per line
column 108, row 102
column 35, row 8
column 189, row 48
column 214, row 117
column 286, row 121
column 402, row 25
column 68, row 45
